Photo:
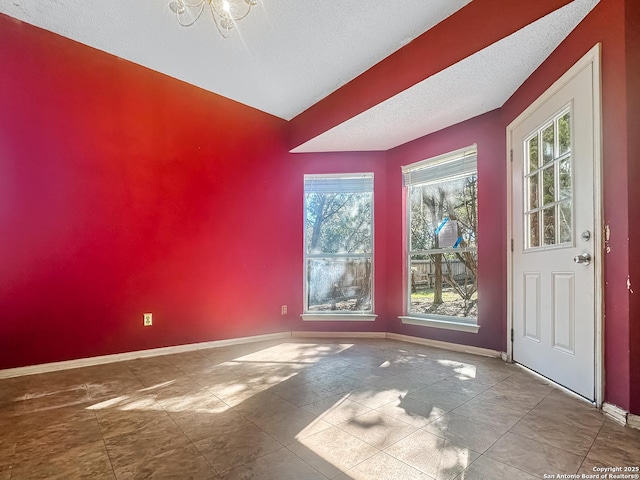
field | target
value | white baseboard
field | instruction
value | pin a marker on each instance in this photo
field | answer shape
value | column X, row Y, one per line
column 485, row 352
column 121, row 357
column 615, row 413
column 303, row 334
column 154, row 352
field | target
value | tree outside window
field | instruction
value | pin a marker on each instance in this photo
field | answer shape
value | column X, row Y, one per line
column 443, row 230
column 338, row 243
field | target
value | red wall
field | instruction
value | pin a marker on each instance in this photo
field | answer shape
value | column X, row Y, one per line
column 124, row 191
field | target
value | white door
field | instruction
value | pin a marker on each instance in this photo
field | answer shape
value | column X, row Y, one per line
column 553, row 229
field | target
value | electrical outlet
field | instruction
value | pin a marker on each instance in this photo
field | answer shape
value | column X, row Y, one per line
column 147, row 319
column 283, row 310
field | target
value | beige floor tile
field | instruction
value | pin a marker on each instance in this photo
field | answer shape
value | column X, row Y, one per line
column 5, row 472
column 118, row 422
column 263, row 405
column 52, row 398
column 41, row 420
column 432, row 372
column 102, row 390
column 182, row 463
column 82, row 462
column 242, row 445
column 489, row 413
column 465, row 387
column 616, row 445
column 374, row 397
column 56, row 438
column 589, row 467
column 336, row 384
column 235, row 391
column 377, row 429
column 148, row 441
column 197, row 426
column 404, row 381
column 433, row 455
column 149, row 411
column 336, row 409
column 383, row 467
column 522, row 381
column 291, row 426
column 483, row 371
column 572, row 437
column 8, row 444
column 362, row 373
column 304, row 394
column 485, row 468
column 332, row 451
column 412, row 411
column 511, row 398
column 279, row 465
column 533, row 457
column 563, row 408
column 443, row 400
column 464, row 431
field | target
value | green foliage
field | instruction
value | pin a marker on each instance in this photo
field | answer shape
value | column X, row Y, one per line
column 456, row 199
column 338, row 222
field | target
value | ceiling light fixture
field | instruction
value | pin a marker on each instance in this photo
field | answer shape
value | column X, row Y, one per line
column 225, row 13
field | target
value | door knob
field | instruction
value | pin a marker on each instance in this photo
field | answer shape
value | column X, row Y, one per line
column 583, row 258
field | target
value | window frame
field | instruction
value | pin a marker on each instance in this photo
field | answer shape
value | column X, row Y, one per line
column 340, row 315
column 465, row 324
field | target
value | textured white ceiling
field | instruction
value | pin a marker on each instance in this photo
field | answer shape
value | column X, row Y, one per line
column 476, row 85
column 284, row 57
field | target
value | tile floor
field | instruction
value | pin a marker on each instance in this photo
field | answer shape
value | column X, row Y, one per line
column 303, row 409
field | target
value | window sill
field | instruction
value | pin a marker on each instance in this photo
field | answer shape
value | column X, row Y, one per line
column 330, row 317
column 461, row 325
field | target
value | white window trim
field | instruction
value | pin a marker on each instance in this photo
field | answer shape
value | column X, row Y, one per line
column 331, row 317
column 461, row 324
column 340, row 315
column 448, row 323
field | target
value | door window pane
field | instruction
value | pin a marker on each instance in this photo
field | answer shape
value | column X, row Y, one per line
column 549, row 225
column 564, row 134
column 566, row 227
column 548, row 186
column 547, row 144
column 533, row 191
column 534, row 229
column 565, row 178
column 533, row 153
column 548, row 207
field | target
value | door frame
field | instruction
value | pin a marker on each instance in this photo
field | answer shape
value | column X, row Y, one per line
column 591, row 57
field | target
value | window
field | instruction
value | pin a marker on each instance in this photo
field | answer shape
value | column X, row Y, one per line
column 548, row 201
column 338, row 246
column 442, row 259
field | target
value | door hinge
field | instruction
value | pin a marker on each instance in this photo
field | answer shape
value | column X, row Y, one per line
column 512, row 244
column 511, row 154
column 512, row 335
